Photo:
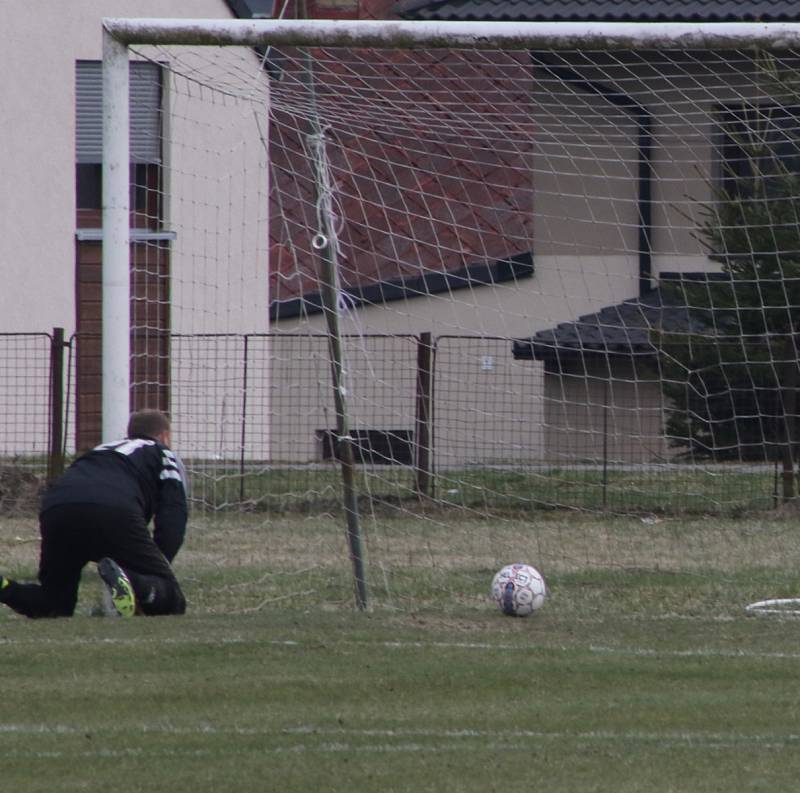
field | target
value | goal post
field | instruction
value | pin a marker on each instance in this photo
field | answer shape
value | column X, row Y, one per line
column 454, row 34
column 590, row 228
column 116, row 242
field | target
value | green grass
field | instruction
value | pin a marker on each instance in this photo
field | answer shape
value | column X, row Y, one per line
column 726, row 490
column 642, row 672
column 723, row 489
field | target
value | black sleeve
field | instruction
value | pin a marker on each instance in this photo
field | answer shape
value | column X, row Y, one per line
column 169, row 521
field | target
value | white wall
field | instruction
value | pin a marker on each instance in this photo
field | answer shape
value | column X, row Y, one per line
column 213, row 275
column 40, row 41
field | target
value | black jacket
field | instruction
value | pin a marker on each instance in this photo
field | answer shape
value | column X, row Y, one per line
column 139, row 476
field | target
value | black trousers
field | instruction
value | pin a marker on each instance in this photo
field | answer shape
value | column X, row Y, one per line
column 73, row 535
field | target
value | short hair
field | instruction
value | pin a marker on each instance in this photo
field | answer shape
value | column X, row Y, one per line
column 148, row 424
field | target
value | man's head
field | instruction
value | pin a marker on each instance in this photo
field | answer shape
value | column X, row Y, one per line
column 150, row 424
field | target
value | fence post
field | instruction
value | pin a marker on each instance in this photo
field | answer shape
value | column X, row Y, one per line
column 605, row 439
column 243, row 439
column 423, row 433
column 55, row 459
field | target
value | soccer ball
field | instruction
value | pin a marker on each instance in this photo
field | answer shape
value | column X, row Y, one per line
column 519, row 590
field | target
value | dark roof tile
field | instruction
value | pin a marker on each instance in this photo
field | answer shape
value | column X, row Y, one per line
column 603, row 10
column 622, row 329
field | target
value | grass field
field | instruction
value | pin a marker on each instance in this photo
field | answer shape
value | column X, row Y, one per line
column 725, row 489
column 643, row 672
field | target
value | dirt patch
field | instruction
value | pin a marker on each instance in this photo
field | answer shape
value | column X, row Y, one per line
column 20, row 489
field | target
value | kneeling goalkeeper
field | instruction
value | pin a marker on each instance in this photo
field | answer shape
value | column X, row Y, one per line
column 99, row 511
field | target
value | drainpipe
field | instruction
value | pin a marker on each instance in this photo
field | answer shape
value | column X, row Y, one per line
column 644, row 141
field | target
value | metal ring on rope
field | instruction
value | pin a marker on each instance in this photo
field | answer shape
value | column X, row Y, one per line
column 775, row 606
column 319, row 242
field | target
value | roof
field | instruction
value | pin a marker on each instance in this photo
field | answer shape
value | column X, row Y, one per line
column 473, row 275
column 418, row 206
column 602, row 10
column 622, row 329
column 466, row 223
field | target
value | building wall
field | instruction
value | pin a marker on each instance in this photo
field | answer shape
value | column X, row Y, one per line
column 486, row 408
column 584, row 239
column 585, row 244
column 594, row 419
column 211, row 289
column 217, row 187
column 41, row 40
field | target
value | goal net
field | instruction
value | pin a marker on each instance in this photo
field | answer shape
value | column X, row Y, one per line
column 462, row 290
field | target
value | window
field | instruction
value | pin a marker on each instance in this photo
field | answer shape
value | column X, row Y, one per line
column 145, row 141
column 150, row 253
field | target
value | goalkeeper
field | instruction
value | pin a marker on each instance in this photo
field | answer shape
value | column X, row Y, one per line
column 99, row 511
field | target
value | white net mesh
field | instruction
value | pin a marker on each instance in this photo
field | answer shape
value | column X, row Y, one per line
column 563, row 279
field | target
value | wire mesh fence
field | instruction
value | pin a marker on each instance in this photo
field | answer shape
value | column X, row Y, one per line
column 452, row 420
column 27, row 444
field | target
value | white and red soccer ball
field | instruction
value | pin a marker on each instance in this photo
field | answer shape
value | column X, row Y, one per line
column 519, row 590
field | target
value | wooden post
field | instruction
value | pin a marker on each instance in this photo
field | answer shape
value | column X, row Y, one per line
column 423, row 431
column 55, row 458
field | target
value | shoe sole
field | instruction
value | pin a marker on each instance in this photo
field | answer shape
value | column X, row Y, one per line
column 119, row 587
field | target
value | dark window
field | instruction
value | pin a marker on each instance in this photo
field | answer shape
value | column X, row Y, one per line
column 89, row 186
column 145, row 135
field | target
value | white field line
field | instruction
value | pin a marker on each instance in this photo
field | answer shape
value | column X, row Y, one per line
column 637, row 651
column 643, row 652
column 318, row 739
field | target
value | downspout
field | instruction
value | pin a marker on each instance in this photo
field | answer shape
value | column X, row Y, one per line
column 644, row 142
